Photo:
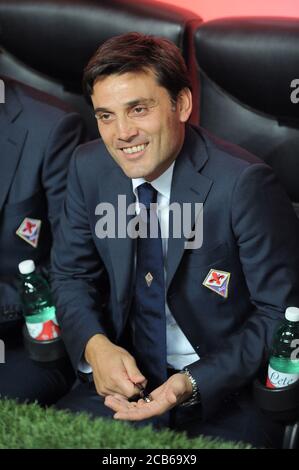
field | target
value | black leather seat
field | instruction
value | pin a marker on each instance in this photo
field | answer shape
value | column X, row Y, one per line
column 46, row 44
column 246, row 67
column 247, row 71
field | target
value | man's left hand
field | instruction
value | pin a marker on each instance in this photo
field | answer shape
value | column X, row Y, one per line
column 173, row 392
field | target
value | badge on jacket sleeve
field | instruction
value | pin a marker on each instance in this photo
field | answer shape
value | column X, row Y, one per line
column 218, row 282
column 29, row 231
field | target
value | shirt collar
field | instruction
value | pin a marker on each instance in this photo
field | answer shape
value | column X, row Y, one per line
column 162, row 184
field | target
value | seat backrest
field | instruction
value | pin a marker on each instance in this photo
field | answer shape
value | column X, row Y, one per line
column 47, row 43
column 248, row 71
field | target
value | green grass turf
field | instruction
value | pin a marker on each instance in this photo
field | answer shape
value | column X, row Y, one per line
column 28, row 426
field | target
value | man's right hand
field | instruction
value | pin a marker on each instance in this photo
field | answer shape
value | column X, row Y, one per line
column 114, row 369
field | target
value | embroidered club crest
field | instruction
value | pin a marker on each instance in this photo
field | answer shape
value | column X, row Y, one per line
column 218, row 282
column 29, row 231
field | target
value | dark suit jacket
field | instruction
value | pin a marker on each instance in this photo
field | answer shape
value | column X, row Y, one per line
column 249, row 230
column 38, row 134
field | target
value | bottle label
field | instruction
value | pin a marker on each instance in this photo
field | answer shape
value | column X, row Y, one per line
column 278, row 379
column 43, row 326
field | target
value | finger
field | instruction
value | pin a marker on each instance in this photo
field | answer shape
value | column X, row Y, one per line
column 117, row 397
column 141, row 402
column 122, row 383
column 112, row 383
column 141, row 389
column 123, row 386
column 117, row 404
column 136, row 413
column 141, row 385
column 141, row 410
column 112, row 405
column 133, row 372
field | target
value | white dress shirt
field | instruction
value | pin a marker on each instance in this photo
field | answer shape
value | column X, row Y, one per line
column 180, row 353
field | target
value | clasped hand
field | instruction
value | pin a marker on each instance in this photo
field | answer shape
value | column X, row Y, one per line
column 173, row 392
column 118, row 379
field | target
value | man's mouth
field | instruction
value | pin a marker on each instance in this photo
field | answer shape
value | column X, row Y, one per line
column 134, row 149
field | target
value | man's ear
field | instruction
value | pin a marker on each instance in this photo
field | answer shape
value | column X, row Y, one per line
column 184, row 104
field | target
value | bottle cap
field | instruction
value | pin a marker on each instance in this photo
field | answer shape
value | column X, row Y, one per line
column 292, row 313
column 27, row 266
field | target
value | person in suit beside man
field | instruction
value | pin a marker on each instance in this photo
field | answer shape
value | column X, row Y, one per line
column 38, row 134
column 173, row 331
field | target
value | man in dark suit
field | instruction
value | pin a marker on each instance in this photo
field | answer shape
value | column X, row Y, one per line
column 199, row 336
column 38, row 134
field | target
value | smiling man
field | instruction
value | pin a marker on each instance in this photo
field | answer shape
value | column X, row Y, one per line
column 170, row 334
column 142, row 128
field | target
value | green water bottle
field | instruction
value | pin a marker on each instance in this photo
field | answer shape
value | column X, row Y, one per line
column 283, row 367
column 37, row 305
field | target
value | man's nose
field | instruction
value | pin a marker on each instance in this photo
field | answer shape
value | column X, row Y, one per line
column 126, row 129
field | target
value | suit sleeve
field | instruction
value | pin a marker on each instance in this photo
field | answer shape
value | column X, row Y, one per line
column 266, row 231
column 77, row 273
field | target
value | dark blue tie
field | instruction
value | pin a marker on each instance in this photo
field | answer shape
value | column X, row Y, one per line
column 149, row 302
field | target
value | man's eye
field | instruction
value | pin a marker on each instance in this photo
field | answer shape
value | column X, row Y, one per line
column 139, row 110
column 104, row 117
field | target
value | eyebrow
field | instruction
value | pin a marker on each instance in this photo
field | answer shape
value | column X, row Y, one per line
column 129, row 104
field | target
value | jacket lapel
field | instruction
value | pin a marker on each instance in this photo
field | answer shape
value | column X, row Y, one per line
column 188, row 186
column 12, row 137
column 119, row 193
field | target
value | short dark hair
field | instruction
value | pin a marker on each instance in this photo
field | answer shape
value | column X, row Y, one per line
column 133, row 52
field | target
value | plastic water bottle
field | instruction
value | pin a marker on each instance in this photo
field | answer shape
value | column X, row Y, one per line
column 37, row 305
column 283, row 368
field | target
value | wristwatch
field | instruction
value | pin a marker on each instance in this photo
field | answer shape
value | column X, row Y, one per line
column 195, row 397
